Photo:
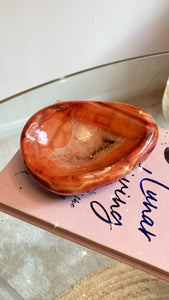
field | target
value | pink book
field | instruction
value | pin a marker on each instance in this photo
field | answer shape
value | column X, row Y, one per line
column 127, row 220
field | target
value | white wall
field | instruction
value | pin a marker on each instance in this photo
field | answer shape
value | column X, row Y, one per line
column 41, row 40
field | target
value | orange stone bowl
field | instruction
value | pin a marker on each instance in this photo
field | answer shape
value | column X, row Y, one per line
column 79, row 146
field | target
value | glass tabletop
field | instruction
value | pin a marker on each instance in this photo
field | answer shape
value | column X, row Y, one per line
column 37, row 264
column 119, row 81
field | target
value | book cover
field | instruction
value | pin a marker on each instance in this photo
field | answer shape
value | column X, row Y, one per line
column 127, row 220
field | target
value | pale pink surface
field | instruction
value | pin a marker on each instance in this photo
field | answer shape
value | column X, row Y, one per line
column 49, row 211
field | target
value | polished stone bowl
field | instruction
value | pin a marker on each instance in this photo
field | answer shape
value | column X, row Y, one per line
column 79, row 146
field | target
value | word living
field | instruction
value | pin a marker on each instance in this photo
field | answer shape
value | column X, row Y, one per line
column 149, row 203
column 100, row 211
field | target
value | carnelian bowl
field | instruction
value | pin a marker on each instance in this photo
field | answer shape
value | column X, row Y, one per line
column 80, row 146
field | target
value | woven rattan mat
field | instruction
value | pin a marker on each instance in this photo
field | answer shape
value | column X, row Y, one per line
column 118, row 281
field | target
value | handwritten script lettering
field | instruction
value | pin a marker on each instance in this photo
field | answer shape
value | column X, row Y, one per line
column 149, row 204
column 115, row 217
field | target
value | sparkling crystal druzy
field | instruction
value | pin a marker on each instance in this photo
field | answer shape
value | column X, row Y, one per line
column 79, row 146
